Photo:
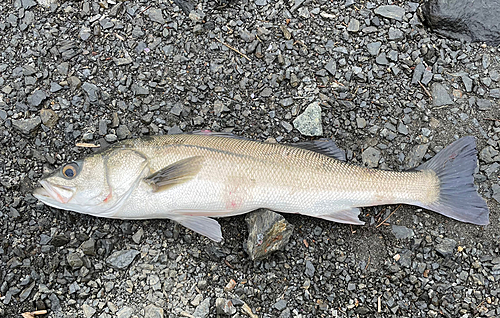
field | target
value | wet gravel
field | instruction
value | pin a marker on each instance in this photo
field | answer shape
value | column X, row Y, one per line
column 367, row 74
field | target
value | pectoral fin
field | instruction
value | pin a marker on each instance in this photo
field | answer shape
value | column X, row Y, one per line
column 174, row 174
column 202, row 225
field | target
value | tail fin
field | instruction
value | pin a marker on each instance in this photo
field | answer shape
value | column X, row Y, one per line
column 458, row 198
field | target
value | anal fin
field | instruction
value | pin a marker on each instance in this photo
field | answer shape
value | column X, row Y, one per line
column 202, row 225
column 349, row 216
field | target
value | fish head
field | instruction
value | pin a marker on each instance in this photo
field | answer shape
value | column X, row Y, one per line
column 97, row 185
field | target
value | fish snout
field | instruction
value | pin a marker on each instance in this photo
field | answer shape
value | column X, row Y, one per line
column 60, row 193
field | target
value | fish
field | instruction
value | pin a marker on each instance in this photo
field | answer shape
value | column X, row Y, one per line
column 194, row 178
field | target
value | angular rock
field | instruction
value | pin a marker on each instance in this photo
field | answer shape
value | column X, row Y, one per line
column 440, row 96
column 85, row 33
column 140, row 90
column 495, row 93
column 122, row 132
column 331, row 67
column 496, row 192
column 59, row 240
column 137, row 236
column 391, row 12
column 49, row 117
column 152, row 311
column 310, row 270
column 225, row 307
column 463, row 20
column 88, row 247
column 123, row 60
column 489, row 154
column 467, row 83
column 125, row 312
column 55, row 87
column 483, row 104
column 416, row 155
column 27, row 126
column 309, row 122
column 91, row 90
column 156, row 15
column 446, row 247
column 74, row 260
column 27, row 4
column 26, row 292
column 417, row 73
column 395, row 34
column 88, row 311
column 74, row 82
column 267, row 232
column 402, row 232
column 37, row 98
column 247, row 36
column 374, row 48
column 122, row 259
column 353, row 26
column 382, row 59
column 280, row 304
column 370, row 157
column 203, row 309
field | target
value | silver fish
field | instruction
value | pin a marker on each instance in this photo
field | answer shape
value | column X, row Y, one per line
column 189, row 178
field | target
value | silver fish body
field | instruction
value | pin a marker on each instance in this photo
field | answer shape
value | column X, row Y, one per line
column 190, row 178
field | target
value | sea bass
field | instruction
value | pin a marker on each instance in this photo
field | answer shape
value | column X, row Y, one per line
column 190, row 178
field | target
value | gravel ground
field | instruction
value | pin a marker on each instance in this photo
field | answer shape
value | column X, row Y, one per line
column 97, row 72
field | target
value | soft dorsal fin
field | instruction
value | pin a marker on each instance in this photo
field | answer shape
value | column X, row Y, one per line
column 174, row 174
column 215, row 134
column 324, row 146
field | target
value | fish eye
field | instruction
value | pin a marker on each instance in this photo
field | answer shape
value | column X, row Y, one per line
column 70, row 170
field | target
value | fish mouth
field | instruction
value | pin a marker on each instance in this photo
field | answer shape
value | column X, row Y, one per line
column 61, row 194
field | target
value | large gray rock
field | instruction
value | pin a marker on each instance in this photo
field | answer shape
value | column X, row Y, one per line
column 370, row 157
column 463, row 19
column 446, row 247
column 309, row 122
column 122, row 259
column 440, row 96
column 391, row 12
column 267, row 232
column 27, row 126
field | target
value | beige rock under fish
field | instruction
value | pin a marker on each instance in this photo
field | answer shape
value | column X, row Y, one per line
column 190, row 178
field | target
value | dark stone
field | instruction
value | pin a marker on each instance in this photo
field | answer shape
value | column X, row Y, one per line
column 37, row 97
column 310, row 268
column 91, row 90
column 416, row 156
column 402, row 232
column 440, row 96
column 268, row 232
column 186, row 6
column 60, row 240
column 27, row 126
column 446, row 247
column 464, row 20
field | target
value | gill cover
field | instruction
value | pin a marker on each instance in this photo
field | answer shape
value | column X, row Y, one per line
column 123, row 168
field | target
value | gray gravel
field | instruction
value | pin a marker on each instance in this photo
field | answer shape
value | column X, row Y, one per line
column 387, row 90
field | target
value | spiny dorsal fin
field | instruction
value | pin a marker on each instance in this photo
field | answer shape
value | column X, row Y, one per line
column 174, row 174
column 324, row 146
column 215, row 134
